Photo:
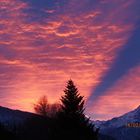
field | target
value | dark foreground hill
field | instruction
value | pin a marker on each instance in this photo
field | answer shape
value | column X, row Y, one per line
column 19, row 125
column 31, row 126
column 10, row 117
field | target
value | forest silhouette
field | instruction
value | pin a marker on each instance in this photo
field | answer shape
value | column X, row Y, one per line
column 64, row 121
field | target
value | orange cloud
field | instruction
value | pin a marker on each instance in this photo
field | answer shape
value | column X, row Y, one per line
column 39, row 56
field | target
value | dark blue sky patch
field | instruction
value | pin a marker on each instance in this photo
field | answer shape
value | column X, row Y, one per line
column 37, row 10
column 128, row 58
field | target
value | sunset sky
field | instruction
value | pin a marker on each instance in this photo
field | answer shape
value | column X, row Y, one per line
column 96, row 43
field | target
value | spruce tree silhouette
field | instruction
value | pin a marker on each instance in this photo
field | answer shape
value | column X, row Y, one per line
column 72, row 122
column 72, row 102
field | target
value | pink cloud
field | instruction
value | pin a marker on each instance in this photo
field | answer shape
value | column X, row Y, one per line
column 77, row 43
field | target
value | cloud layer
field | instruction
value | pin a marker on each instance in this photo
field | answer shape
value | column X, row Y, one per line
column 43, row 44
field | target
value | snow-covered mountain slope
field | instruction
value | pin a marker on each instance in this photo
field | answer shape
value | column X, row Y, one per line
column 13, row 117
column 132, row 116
column 118, row 129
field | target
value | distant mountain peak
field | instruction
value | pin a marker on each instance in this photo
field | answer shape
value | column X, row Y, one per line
column 117, row 127
column 132, row 116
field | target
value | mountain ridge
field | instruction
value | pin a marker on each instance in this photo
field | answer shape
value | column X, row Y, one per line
column 13, row 117
column 131, row 116
column 118, row 129
column 113, row 129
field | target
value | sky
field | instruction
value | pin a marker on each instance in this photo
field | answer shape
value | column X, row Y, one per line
column 44, row 43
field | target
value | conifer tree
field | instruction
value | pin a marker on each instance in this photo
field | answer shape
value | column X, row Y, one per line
column 73, row 124
column 72, row 102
